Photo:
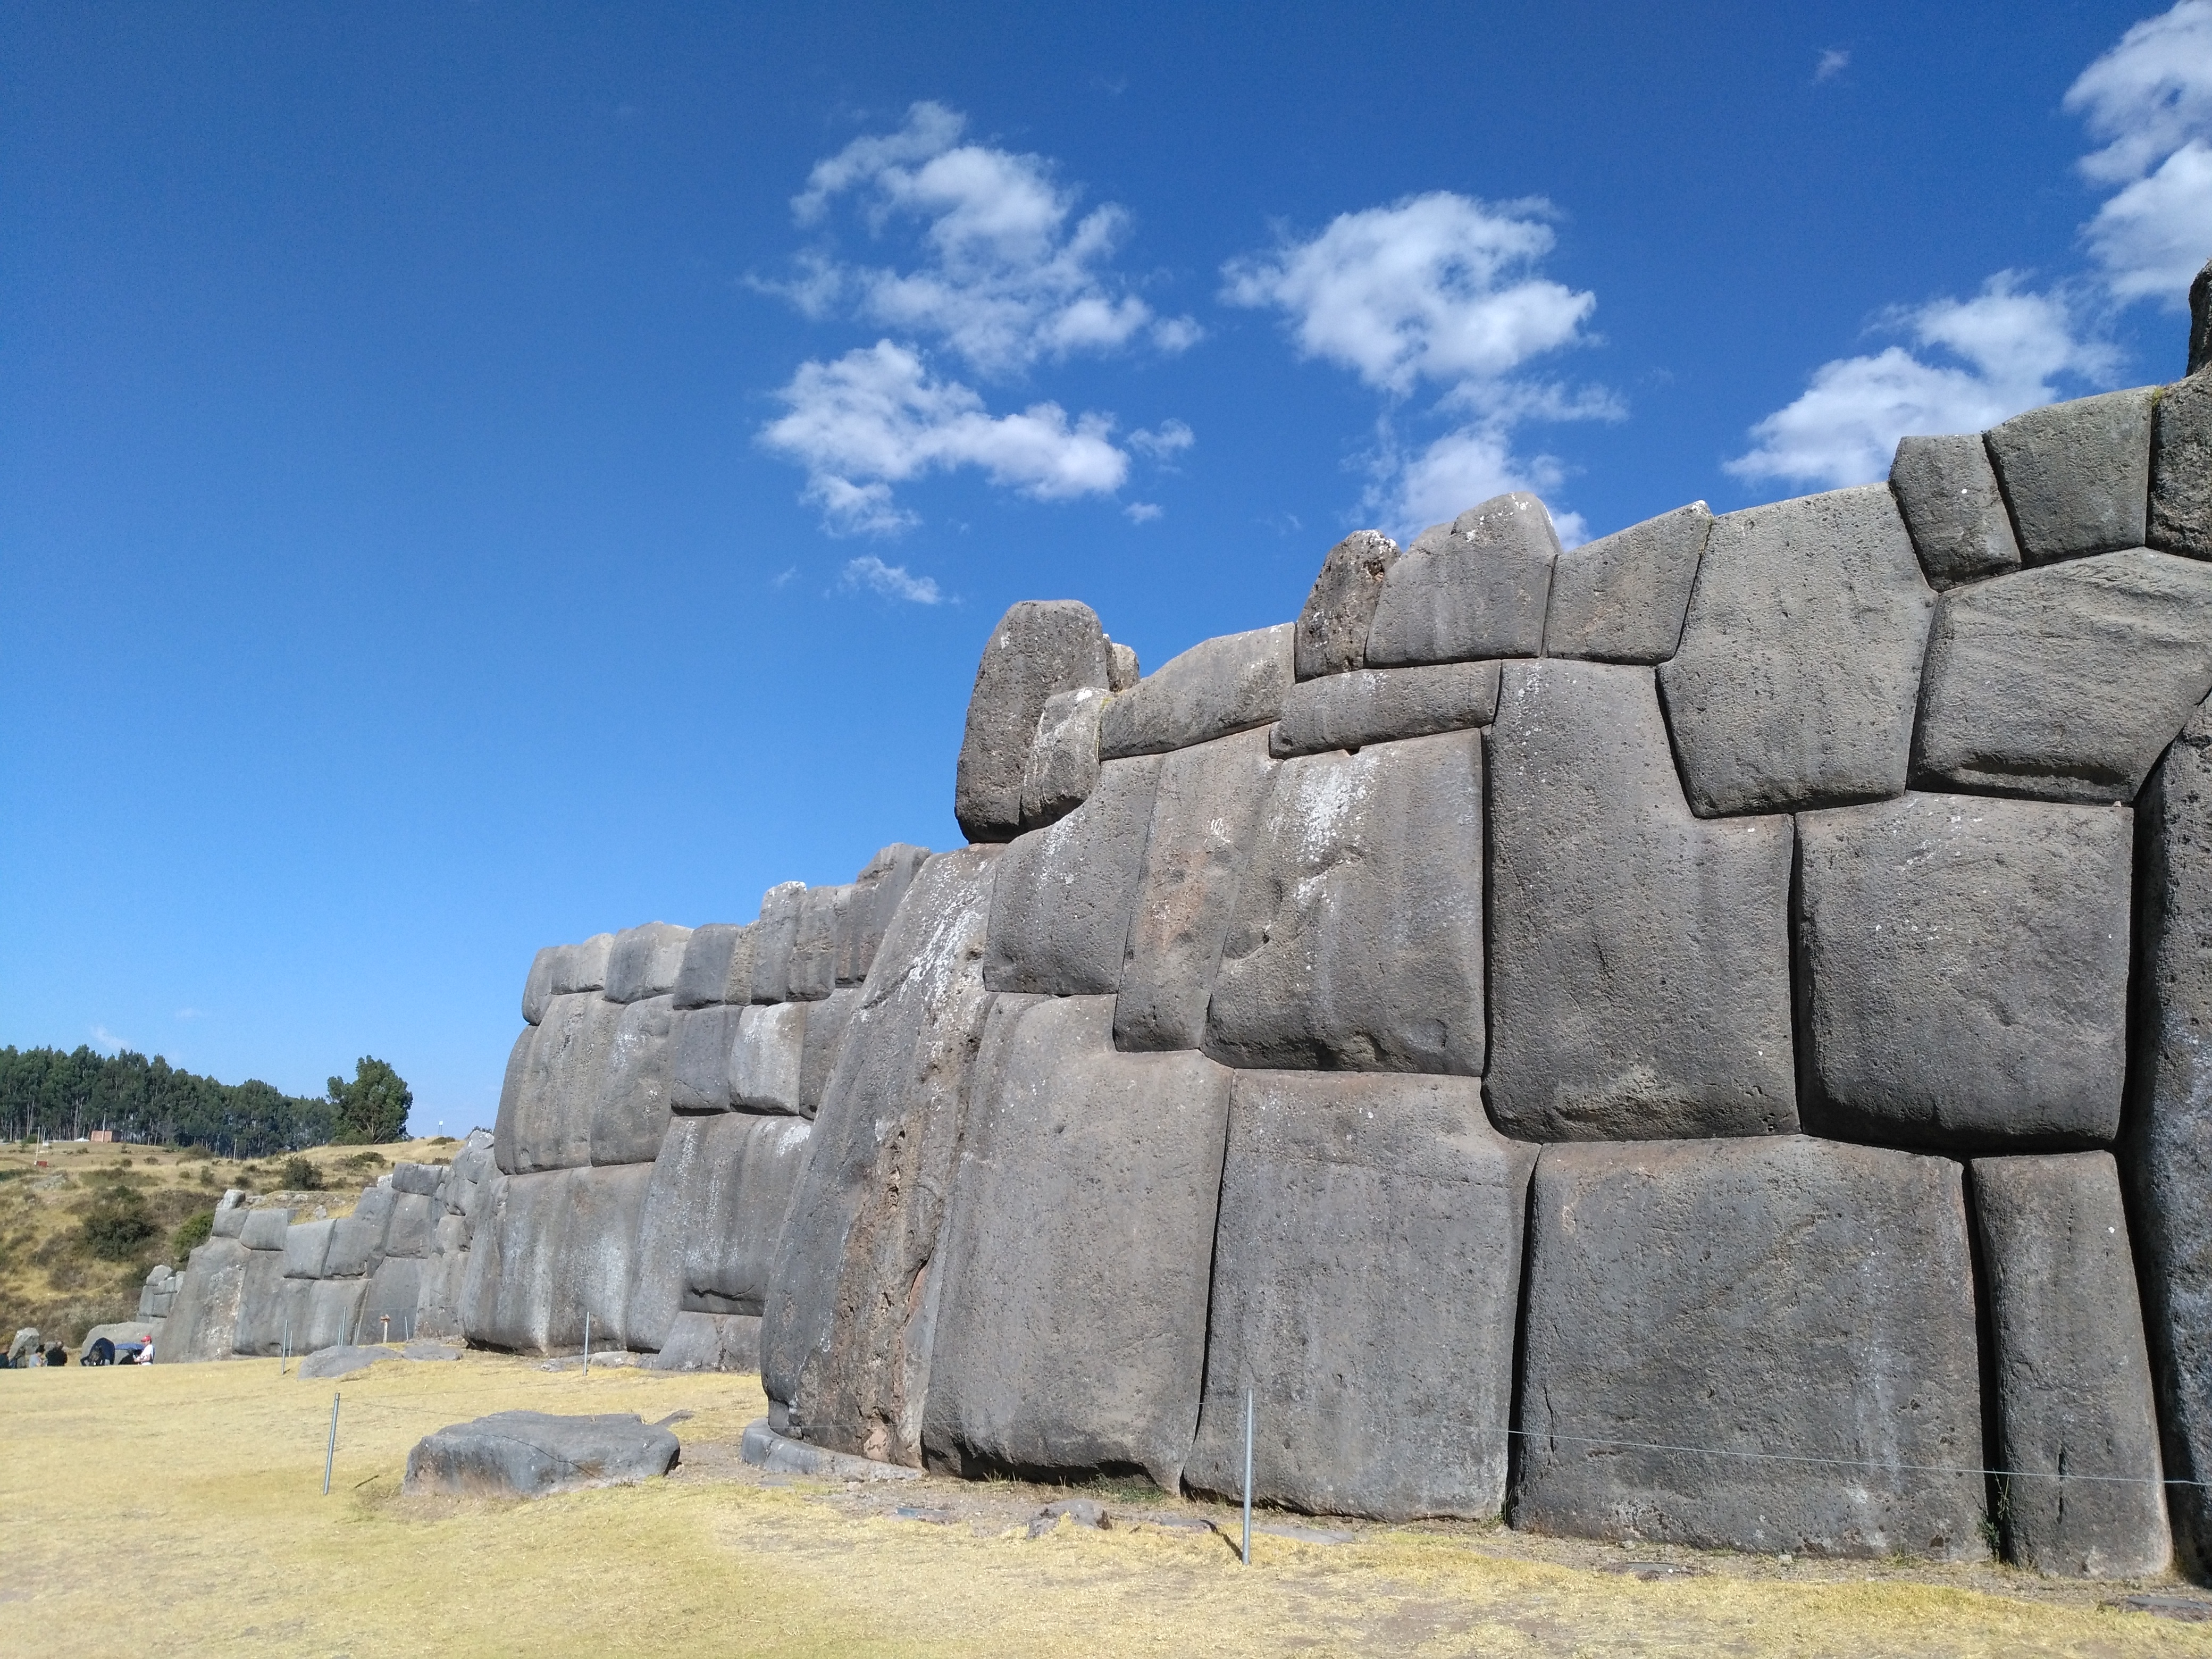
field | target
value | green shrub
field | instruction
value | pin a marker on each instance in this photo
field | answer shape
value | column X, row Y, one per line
column 117, row 1228
column 300, row 1177
column 194, row 1230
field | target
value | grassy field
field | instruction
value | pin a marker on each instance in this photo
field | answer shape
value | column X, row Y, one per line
column 53, row 1277
column 178, row 1510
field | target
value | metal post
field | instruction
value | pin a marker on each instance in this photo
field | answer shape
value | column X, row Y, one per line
column 284, row 1350
column 385, row 1339
column 1247, row 1474
column 330, row 1454
column 587, row 1345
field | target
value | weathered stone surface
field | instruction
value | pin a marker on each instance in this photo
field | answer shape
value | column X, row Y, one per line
column 1122, row 671
column 1205, row 815
column 538, row 986
column 1475, row 588
column 306, row 1243
column 551, row 1249
column 1799, row 667
column 266, row 1229
column 419, row 1178
column 2167, row 1161
column 1622, row 598
column 2180, row 519
column 2200, row 319
column 710, row 1342
column 1358, row 941
column 158, row 1293
column 343, row 1361
column 1640, row 967
column 230, row 1213
column 445, row 1277
column 581, row 967
column 550, row 1126
column 826, row 1023
column 354, row 1242
column 1218, row 687
column 1366, row 1281
column 700, row 1040
column 1772, row 1299
column 1374, row 705
column 1063, row 764
column 2076, row 1425
column 813, row 972
column 876, row 892
column 773, row 937
column 763, row 1447
column 846, row 1334
column 530, row 1454
column 707, row 1242
column 203, row 1319
column 374, row 1211
column 765, row 1065
column 515, row 1080
column 633, row 1100
column 1953, row 508
column 2066, row 683
column 394, row 1291
column 738, row 989
column 1039, row 648
column 703, row 980
column 412, row 1228
column 1061, row 899
column 1070, row 1334
column 1332, row 630
column 645, row 961
column 1964, row 966
column 2077, row 475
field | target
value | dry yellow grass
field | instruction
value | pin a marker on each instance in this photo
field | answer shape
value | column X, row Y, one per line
column 178, row 1510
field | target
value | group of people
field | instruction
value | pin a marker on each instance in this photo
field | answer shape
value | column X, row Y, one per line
column 27, row 1351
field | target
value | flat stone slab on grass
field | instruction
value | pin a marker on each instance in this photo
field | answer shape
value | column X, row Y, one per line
column 531, row 1454
column 764, row 1448
column 343, row 1361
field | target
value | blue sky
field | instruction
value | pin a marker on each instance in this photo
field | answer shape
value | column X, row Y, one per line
column 473, row 475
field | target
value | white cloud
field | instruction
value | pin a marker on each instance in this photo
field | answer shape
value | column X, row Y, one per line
column 104, row 1038
column 1467, row 465
column 2155, row 236
column 2150, row 100
column 875, row 418
column 891, row 580
column 2000, row 353
column 1833, row 61
column 1143, row 511
column 1171, row 439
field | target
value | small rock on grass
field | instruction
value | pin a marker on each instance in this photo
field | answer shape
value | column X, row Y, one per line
column 1083, row 1512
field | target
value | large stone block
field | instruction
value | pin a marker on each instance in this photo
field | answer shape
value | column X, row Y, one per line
column 422, row 1179
column 1216, row 687
column 552, row 1249
column 846, row 1334
column 2077, row 1430
column 1622, row 598
column 645, row 961
column 1799, row 668
column 1039, row 648
column 1639, row 966
column 633, row 1100
column 438, row 1304
column 700, row 1040
column 2066, row 683
column 529, row 1454
column 1061, row 900
column 1376, row 705
column 814, row 945
column 1761, row 1345
column 355, row 1241
column 876, row 892
column 2180, row 519
column 706, row 1243
column 703, row 980
column 230, row 1213
column 1205, row 815
column 1070, row 1334
column 737, row 988
column 2077, row 475
column 1963, row 962
column 2167, row 1160
column 826, row 1023
column 711, row 1342
column 1366, row 1285
column 538, row 986
column 773, row 937
column 1333, row 628
column 765, row 1065
column 1475, row 588
column 561, row 969
column 394, row 1291
column 306, row 1245
column 1063, row 764
column 203, row 1320
column 1357, row 942
column 272, row 1309
column 412, row 1229
column 1953, row 508
column 266, row 1229
column 550, row 1126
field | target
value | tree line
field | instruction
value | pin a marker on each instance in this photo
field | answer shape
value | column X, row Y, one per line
column 48, row 1093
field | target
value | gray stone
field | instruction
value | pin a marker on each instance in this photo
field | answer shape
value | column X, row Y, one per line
column 2066, row 683
column 1622, row 598
column 419, row 1178
column 1953, row 508
column 1964, row 967
column 2180, row 519
column 433, row 1353
column 515, row 1081
column 1639, row 966
column 537, row 988
column 773, row 937
column 1123, row 670
column 395, row 1292
column 355, row 1242
column 2077, row 1430
column 1204, row 818
column 265, row 1228
column 1216, row 687
column 1357, row 942
column 161, row 1283
column 826, row 1022
column 763, row 1447
column 306, row 1243
column 1374, row 705
column 710, row 1342
column 374, row 1211
column 738, row 989
column 1039, row 648
column 412, row 1229
column 203, row 1320
column 877, row 891
column 1062, row 901
column 1476, row 587
column 765, row 1065
column 1798, row 1314
column 122, row 1335
column 551, row 1249
column 2167, row 1161
column 530, row 1454
column 2077, row 475
column 1799, row 667
column 813, row 973
column 438, row 1302
column 701, row 1040
column 550, row 1126
column 703, row 980
column 1063, row 764
column 1366, row 1281
column 340, row 1361
column 581, row 967
column 846, row 1334
column 633, row 1099
column 1071, row 1334
column 645, row 961
column 230, row 1213
column 2200, row 320
column 1332, row 630
column 707, row 1242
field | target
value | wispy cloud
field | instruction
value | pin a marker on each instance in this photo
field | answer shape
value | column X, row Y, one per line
column 893, row 581
column 1833, row 61
column 1143, row 511
column 104, row 1038
column 191, row 1014
column 2150, row 100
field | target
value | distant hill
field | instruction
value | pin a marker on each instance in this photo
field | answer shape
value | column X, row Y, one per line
column 65, row 1095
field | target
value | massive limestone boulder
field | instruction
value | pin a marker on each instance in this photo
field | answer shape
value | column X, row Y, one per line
column 1218, row 687
column 1963, row 968
column 564, row 969
column 1639, row 966
column 845, row 1335
column 1332, row 630
column 1366, row 1286
column 1622, row 598
column 1071, row 1332
column 307, row 1244
column 767, row 1062
column 700, row 1042
column 203, row 1319
column 412, row 1226
column 1762, row 1345
column 2077, row 475
column 551, row 1249
column 547, row 1123
column 703, row 981
column 530, row 1454
column 632, row 1107
column 2066, row 683
column 813, row 972
column 356, row 1242
column 389, row 1309
column 1204, row 813
column 1063, row 764
column 645, row 961
column 1357, row 942
column 1799, row 668
column 876, row 892
column 1376, row 705
column 266, row 1229
column 706, row 1243
column 1038, row 649
column 2180, row 519
column 1062, row 896
column 2077, row 1431
column 1476, row 587
column 1948, row 495
column 827, row 1022
column 775, row 935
